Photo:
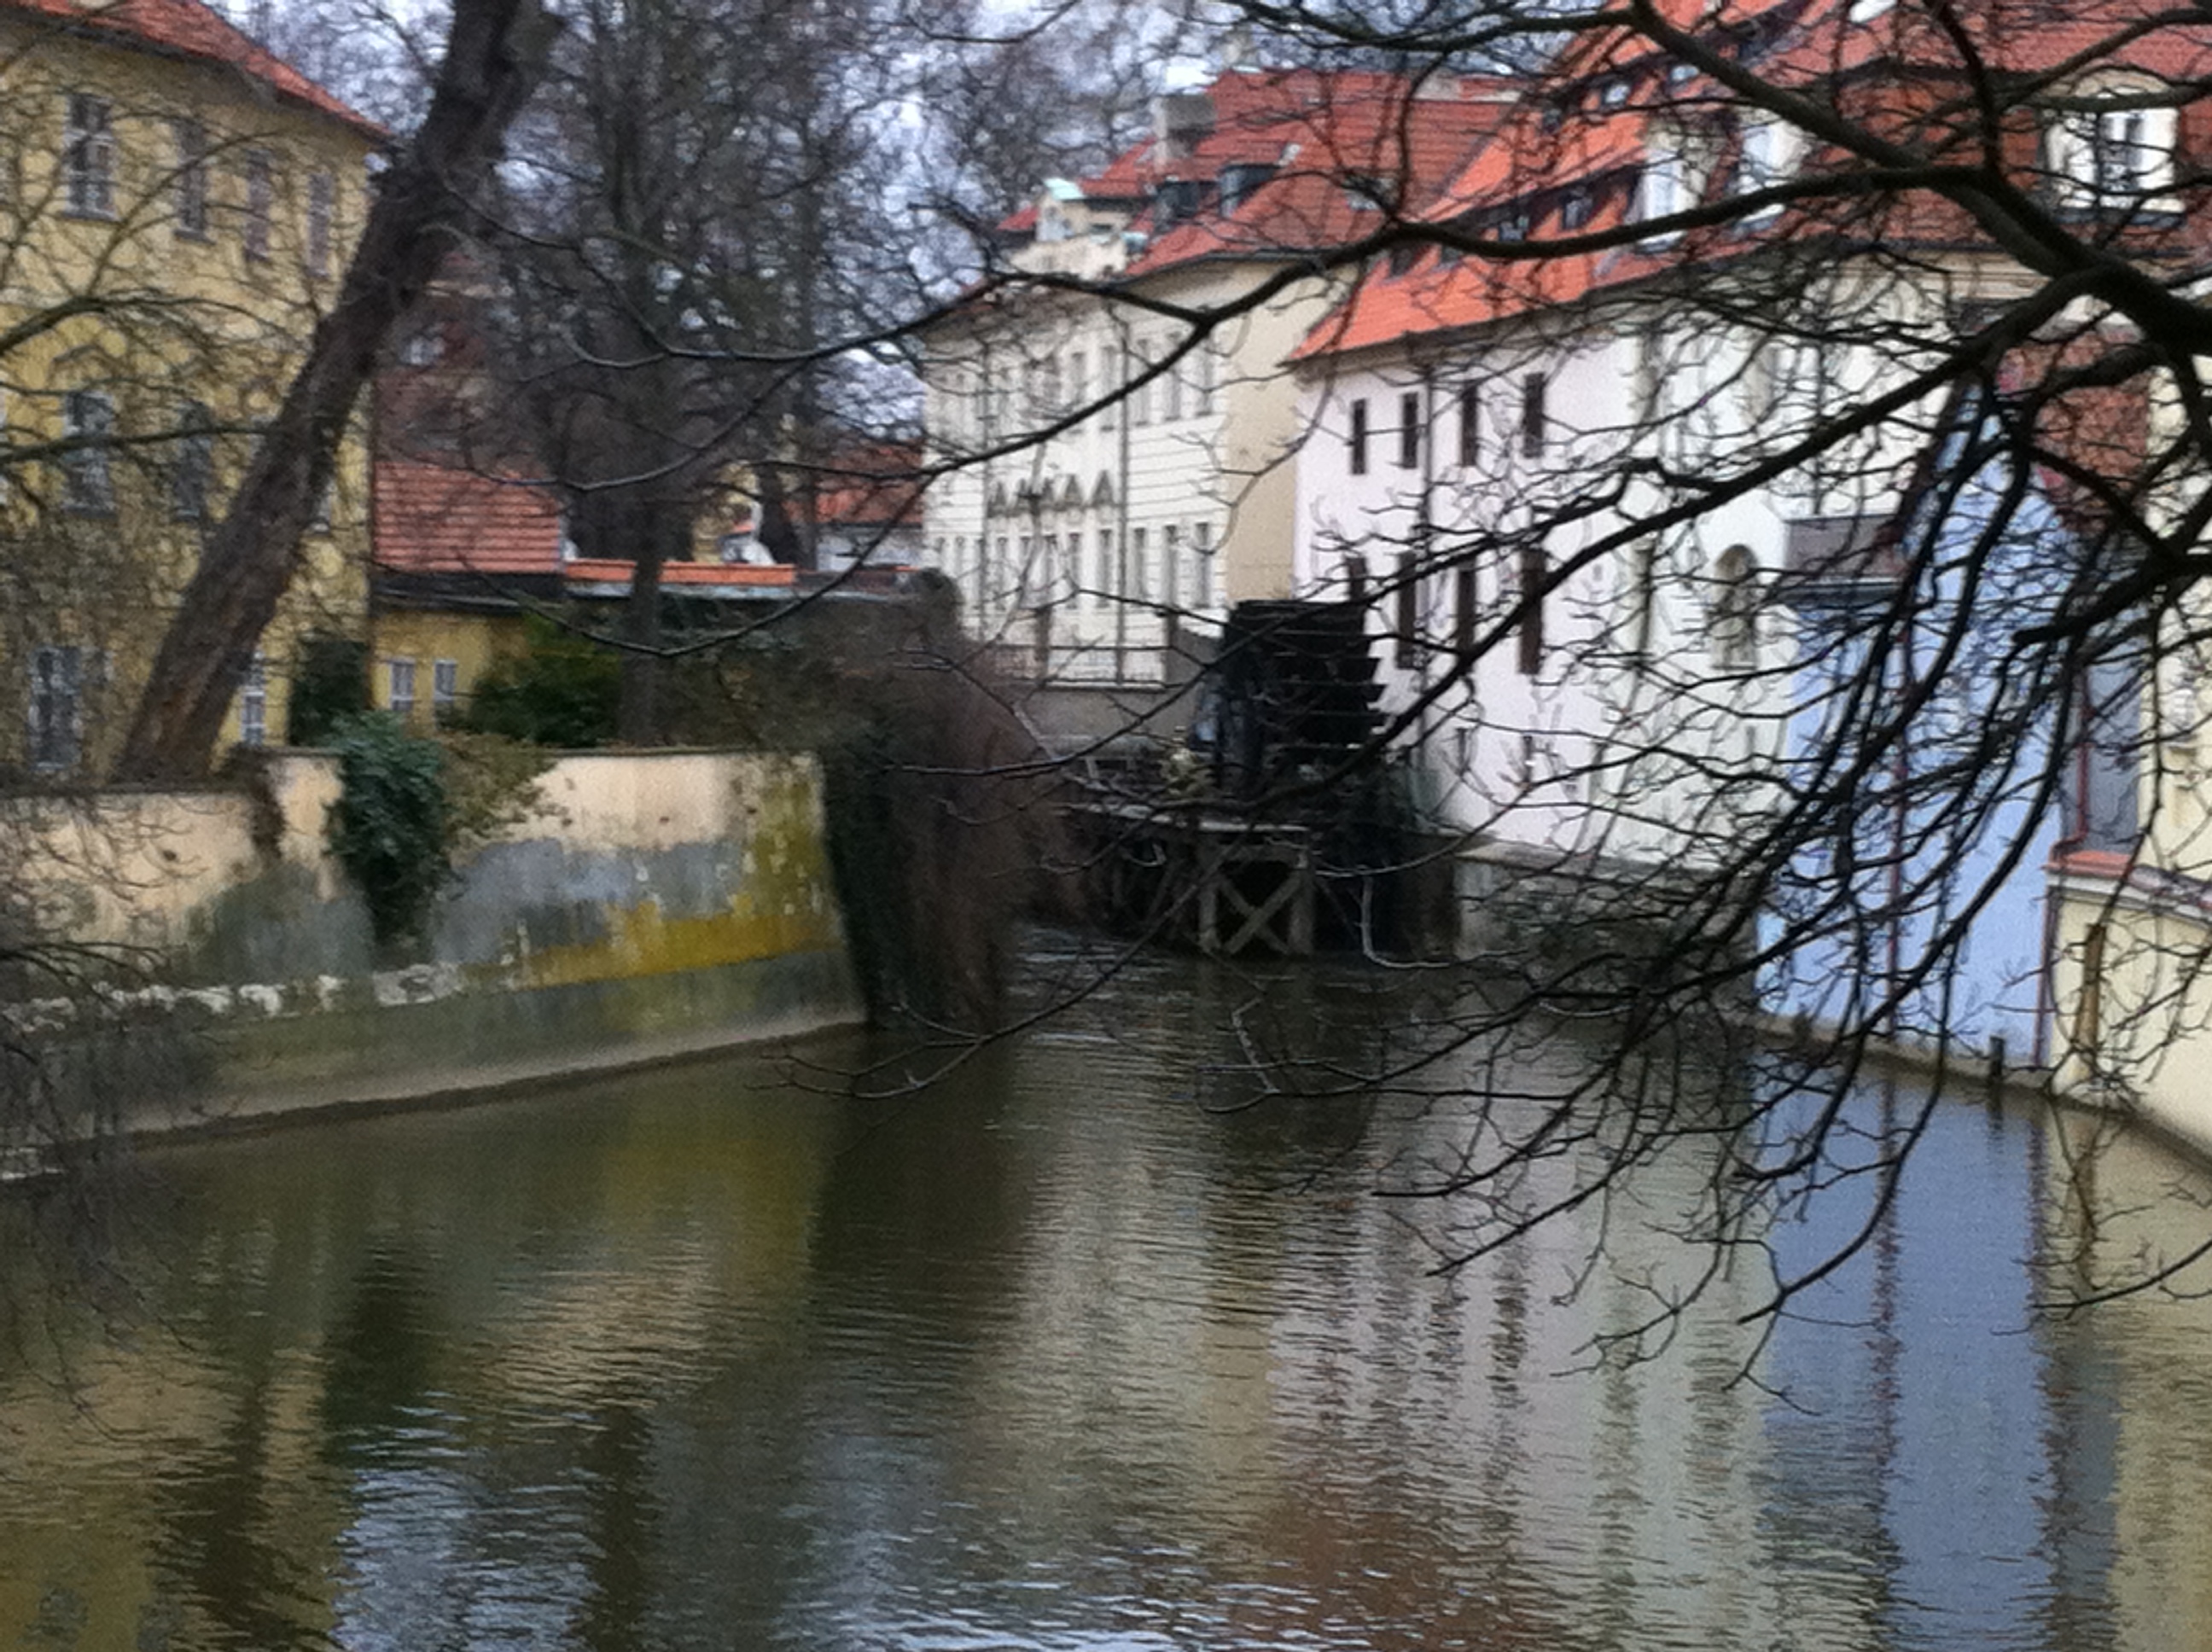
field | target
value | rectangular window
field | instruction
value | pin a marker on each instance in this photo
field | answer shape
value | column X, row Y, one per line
column 1209, row 565
column 191, row 180
column 88, row 156
column 1409, row 612
column 1358, row 437
column 1463, row 612
column 88, row 481
column 322, row 213
column 260, row 202
column 253, row 702
column 400, row 701
column 193, row 467
column 56, row 707
column 1078, row 378
column 1355, row 577
column 1533, row 420
column 1201, row 387
column 1140, row 576
column 1140, row 393
column 320, row 520
column 1172, row 390
column 1470, row 424
column 2118, row 154
column 1107, row 580
column 1171, row 564
column 445, row 689
column 1409, row 431
column 1531, row 616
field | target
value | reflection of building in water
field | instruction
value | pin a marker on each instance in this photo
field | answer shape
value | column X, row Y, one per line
column 2128, row 1385
column 1911, row 1427
column 1056, row 1353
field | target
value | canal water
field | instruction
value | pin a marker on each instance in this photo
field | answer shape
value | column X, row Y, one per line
column 1073, row 1348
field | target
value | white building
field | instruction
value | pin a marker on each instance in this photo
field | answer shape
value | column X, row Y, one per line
column 1557, row 463
column 1116, row 399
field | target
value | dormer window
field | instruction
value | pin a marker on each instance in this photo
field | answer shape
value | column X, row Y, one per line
column 1240, row 183
column 2115, row 159
column 1576, row 210
column 2119, row 151
column 1364, row 192
column 1613, row 94
column 1175, row 200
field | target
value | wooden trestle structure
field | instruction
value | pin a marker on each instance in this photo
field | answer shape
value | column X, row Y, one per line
column 1225, row 885
column 1274, row 808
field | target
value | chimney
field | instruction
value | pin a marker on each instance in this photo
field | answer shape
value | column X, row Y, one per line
column 1179, row 120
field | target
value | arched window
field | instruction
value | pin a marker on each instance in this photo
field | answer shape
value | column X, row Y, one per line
column 2112, row 150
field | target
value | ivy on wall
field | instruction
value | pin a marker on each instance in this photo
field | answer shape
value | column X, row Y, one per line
column 389, row 826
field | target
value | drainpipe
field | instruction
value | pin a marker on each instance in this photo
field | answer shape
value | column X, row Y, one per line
column 1121, row 529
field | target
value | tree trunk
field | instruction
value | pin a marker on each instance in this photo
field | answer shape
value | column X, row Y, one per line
column 495, row 51
column 637, row 716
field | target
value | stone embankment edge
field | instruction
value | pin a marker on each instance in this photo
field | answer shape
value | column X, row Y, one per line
column 490, row 1082
column 2022, row 1082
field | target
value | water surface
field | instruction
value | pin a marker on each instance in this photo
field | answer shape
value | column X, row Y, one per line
column 1058, row 1354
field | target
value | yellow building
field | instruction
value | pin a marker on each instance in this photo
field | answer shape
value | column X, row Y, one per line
column 176, row 206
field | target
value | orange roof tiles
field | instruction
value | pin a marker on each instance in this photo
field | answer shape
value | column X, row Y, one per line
column 187, row 28
column 876, row 487
column 1313, row 129
column 1567, row 131
column 433, row 518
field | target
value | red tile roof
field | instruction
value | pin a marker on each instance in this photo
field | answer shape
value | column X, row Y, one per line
column 1565, row 131
column 873, row 487
column 433, row 518
column 187, row 28
column 1315, row 130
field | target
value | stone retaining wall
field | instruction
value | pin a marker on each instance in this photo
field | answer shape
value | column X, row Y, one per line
column 651, row 905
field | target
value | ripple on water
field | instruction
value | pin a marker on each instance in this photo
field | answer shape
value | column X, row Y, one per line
column 1061, row 1355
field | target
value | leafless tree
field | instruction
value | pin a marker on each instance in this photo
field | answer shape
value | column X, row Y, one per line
column 492, row 56
column 1772, row 467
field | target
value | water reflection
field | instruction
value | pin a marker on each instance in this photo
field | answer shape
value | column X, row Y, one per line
column 1058, row 1356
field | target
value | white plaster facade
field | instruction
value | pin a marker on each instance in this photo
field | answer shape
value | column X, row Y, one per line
column 1121, row 450
column 1088, row 548
column 1577, row 733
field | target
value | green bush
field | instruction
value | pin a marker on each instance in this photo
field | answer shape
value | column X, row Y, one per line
column 561, row 690
column 390, row 827
column 330, row 683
